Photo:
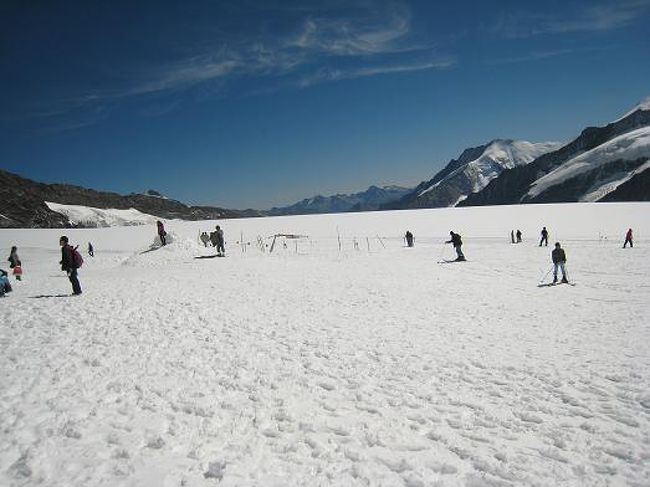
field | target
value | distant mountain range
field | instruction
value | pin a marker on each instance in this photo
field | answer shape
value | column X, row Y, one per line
column 371, row 199
column 610, row 163
column 23, row 204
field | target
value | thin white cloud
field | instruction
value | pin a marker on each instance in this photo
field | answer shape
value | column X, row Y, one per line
column 333, row 74
column 592, row 18
column 540, row 55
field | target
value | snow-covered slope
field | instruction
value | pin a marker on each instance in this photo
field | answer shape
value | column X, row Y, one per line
column 472, row 171
column 99, row 217
column 632, row 146
column 311, row 366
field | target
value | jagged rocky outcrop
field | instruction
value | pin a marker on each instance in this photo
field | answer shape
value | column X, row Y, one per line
column 22, row 204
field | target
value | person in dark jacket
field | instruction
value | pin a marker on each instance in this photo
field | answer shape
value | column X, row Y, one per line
column 5, row 286
column 518, row 234
column 162, row 233
column 221, row 251
column 91, row 250
column 457, row 242
column 68, row 265
column 409, row 238
column 628, row 238
column 559, row 259
column 15, row 264
column 544, row 239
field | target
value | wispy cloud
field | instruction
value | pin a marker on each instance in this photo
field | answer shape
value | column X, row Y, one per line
column 591, row 18
column 321, row 45
column 540, row 55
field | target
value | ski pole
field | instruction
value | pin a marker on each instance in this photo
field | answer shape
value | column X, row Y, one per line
column 547, row 273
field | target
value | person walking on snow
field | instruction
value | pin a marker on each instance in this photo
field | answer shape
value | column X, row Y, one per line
column 15, row 264
column 409, row 238
column 518, row 234
column 457, row 242
column 559, row 260
column 91, row 250
column 162, row 233
column 68, row 264
column 544, row 239
column 221, row 251
column 628, row 238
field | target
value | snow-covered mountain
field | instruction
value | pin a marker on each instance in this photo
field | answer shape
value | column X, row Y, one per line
column 603, row 163
column 371, row 199
column 471, row 172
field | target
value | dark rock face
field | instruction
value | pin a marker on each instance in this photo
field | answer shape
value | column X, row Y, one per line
column 512, row 185
column 368, row 200
column 636, row 189
column 22, row 204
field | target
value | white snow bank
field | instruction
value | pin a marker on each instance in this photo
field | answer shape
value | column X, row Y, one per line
column 100, row 217
column 336, row 368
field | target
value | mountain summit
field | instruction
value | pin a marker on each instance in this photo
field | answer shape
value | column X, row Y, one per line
column 472, row 172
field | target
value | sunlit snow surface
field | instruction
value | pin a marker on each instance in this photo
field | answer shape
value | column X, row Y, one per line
column 314, row 366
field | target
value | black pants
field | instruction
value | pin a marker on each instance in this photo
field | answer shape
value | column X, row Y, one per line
column 628, row 241
column 220, row 248
column 76, row 287
column 544, row 241
column 163, row 240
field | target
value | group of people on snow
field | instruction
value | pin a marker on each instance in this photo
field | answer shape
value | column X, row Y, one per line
column 71, row 260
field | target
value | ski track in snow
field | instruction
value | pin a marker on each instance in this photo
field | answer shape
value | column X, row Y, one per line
column 329, row 369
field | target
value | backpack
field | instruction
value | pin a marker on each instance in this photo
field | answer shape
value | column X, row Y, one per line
column 77, row 259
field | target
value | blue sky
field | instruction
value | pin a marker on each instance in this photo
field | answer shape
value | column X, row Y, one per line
column 256, row 103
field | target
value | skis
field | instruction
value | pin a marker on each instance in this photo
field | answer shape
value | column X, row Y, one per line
column 551, row 284
column 446, row 261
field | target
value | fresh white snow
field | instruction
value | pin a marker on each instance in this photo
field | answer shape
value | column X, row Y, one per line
column 629, row 146
column 100, row 217
column 314, row 366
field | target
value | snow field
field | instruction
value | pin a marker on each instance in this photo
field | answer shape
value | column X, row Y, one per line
column 333, row 368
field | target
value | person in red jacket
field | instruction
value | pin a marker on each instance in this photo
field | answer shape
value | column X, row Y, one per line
column 162, row 233
column 628, row 238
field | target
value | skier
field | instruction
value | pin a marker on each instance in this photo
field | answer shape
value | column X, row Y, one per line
column 162, row 233
column 518, row 234
column 205, row 238
column 68, row 264
column 457, row 243
column 559, row 260
column 91, row 250
column 221, row 251
column 544, row 239
column 628, row 238
column 409, row 238
column 15, row 264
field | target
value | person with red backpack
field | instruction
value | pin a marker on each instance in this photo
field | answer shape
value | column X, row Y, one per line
column 71, row 260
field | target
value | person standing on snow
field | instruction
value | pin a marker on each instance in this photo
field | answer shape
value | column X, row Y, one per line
column 221, row 251
column 68, row 264
column 205, row 238
column 457, row 242
column 544, row 239
column 559, row 260
column 14, row 263
column 162, row 233
column 409, row 238
column 628, row 238
column 91, row 250
column 518, row 234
